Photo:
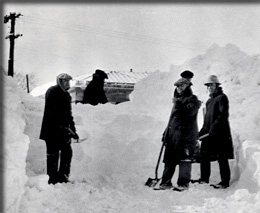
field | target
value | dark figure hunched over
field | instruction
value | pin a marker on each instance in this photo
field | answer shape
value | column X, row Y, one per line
column 94, row 93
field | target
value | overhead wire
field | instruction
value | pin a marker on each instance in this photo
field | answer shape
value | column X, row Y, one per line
column 111, row 33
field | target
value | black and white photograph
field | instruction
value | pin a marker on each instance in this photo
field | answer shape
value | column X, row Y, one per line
column 130, row 107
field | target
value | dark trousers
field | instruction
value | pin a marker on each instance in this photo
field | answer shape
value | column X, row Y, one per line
column 205, row 168
column 184, row 173
column 59, row 155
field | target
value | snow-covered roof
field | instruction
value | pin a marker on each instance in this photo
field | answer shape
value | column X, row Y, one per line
column 117, row 77
column 125, row 77
column 113, row 77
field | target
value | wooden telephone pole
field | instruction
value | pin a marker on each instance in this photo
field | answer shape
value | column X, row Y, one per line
column 11, row 37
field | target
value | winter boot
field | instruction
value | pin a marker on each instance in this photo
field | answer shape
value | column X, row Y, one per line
column 53, row 179
column 180, row 188
column 63, row 178
column 220, row 185
column 200, row 181
column 164, row 186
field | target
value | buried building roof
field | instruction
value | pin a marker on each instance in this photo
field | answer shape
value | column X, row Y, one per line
column 115, row 77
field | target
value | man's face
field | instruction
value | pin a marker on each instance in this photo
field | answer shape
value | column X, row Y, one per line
column 211, row 88
column 181, row 88
column 66, row 84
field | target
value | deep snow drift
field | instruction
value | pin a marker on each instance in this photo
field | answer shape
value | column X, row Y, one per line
column 110, row 168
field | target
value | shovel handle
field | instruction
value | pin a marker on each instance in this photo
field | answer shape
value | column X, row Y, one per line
column 69, row 129
column 203, row 136
column 161, row 151
column 158, row 162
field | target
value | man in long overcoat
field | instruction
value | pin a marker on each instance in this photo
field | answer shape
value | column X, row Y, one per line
column 57, row 129
column 218, row 144
column 180, row 136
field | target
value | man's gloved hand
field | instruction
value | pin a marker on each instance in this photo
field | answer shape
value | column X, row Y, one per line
column 71, row 133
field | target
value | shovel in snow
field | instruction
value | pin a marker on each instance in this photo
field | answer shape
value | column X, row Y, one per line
column 152, row 182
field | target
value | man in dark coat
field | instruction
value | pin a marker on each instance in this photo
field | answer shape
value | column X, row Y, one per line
column 94, row 92
column 218, row 144
column 180, row 136
column 57, row 130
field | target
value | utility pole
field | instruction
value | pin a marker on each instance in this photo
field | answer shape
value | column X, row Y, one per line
column 11, row 37
column 27, row 83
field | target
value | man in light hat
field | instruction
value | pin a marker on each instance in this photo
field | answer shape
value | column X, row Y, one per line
column 180, row 136
column 217, row 145
column 57, row 129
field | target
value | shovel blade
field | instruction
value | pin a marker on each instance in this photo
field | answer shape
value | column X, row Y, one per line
column 152, row 182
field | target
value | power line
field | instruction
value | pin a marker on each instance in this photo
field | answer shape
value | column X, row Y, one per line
column 45, row 52
column 110, row 33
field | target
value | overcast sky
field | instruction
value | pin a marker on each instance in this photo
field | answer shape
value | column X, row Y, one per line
column 79, row 38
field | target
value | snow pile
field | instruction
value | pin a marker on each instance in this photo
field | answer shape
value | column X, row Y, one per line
column 15, row 144
column 240, row 78
column 123, row 142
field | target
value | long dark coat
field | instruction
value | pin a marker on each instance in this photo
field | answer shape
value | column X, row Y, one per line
column 181, row 133
column 57, row 115
column 94, row 92
column 216, row 123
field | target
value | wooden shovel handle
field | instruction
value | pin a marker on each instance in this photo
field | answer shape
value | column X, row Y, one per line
column 203, row 136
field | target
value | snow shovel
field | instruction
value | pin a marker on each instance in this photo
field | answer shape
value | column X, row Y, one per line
column 80, row 140
column 152, row 182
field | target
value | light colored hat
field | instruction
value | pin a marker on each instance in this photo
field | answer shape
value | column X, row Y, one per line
column 212, row 79
column 64, row 76
column 181, row 82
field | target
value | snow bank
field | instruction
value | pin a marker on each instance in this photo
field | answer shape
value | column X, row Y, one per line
column 123, row 142
column 15, row 145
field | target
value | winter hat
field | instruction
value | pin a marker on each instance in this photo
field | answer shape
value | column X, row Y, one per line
column 187, row 74
column 63, row 76
column 212, row 79
column 101, row 74
column 181, row 82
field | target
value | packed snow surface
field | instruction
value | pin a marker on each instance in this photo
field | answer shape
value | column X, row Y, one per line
column 123, row 141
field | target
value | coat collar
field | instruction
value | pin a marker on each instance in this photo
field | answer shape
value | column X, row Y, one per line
column 218, row 92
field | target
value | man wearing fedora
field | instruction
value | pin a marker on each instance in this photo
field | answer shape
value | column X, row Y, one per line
column 217, row 145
